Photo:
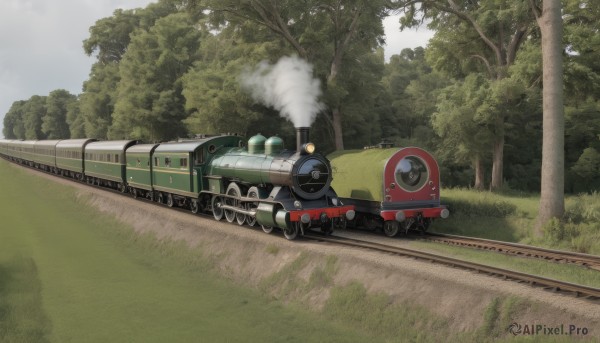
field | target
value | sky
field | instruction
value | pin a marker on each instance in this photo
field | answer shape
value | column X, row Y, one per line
column 41, row 45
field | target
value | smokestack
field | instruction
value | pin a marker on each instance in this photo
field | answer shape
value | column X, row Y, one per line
column 302, row 134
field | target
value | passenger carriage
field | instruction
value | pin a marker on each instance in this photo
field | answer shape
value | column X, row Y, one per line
column 105, row 163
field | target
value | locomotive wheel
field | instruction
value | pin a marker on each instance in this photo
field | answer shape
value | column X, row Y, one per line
column 291, row 232
column 233, row 190
column 170, row 200
column 252, row 193
column 216, row 207
column 267, row 229
column 194, row 206
column 391, row 228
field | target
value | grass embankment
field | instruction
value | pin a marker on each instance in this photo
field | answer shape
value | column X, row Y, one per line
column 71, row 274
column 511, row 217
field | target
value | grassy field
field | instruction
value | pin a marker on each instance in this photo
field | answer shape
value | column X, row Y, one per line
column 68, row 274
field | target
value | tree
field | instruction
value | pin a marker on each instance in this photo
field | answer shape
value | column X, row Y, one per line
column 76, row 120
column 34, row 110
column 552, row 203
column 150, row 105
column 14, row 127
column 97, row 102
column 54, row 122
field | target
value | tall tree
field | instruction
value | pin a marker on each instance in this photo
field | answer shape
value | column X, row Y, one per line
column 150, row 105
column 552, row 203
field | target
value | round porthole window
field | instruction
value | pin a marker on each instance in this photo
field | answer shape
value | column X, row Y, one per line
column 411, row 173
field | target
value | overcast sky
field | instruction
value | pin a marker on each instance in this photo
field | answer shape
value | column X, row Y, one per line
column 41, row 44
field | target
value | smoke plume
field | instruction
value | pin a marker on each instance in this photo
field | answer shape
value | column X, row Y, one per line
column 288, row 86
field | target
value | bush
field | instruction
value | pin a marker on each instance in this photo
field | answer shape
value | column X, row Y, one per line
column 480, row 204
column 585, row 208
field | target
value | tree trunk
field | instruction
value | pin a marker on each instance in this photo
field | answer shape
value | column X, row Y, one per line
column 552, row 203
column 337, row 129
column 498, row 162
column 336, row 111
column 478, row 174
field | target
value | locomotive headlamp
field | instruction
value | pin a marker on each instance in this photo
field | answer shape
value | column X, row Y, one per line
column 309, row 148
column 305, row 218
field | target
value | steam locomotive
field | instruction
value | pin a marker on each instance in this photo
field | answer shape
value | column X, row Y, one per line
column 399, row 188
column 261, row 183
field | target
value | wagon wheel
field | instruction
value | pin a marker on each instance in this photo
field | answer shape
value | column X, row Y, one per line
column 252, row 193
column 194, row 207
column 170, row 200
column 160, row 198
column 216, row 203
column 391, row 228
column 291, row 232
column 234, row 192
column 134, row 192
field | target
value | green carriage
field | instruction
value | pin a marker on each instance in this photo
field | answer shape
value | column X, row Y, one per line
column 139, row 170
column 27, row 154
column 69, row 157
column 44, row 154
column 105, row 163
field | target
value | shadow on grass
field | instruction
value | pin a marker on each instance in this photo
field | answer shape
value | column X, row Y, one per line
column 22, row 318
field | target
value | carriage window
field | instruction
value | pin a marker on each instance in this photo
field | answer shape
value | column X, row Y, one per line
column 108, row 158
column 167, row 161
column 139, row 163
column 156, row 162
column 183, row 162
column 117, row 158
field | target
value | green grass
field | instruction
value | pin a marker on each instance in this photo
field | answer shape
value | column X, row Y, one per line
column 512, row 217
column 69, row 274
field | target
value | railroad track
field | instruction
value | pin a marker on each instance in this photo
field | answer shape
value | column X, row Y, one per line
column 516, row 249
column 580, row 291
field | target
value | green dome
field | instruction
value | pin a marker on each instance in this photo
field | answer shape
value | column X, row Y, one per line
column 273, row 145
column 256, row 144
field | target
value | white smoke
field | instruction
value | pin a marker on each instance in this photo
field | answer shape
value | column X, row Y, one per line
column 288, row 86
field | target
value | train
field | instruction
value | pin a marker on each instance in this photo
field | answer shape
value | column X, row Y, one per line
column 257, row 182
column 399, row 188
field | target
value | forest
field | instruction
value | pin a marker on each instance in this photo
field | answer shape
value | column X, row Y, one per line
column 472, row 96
